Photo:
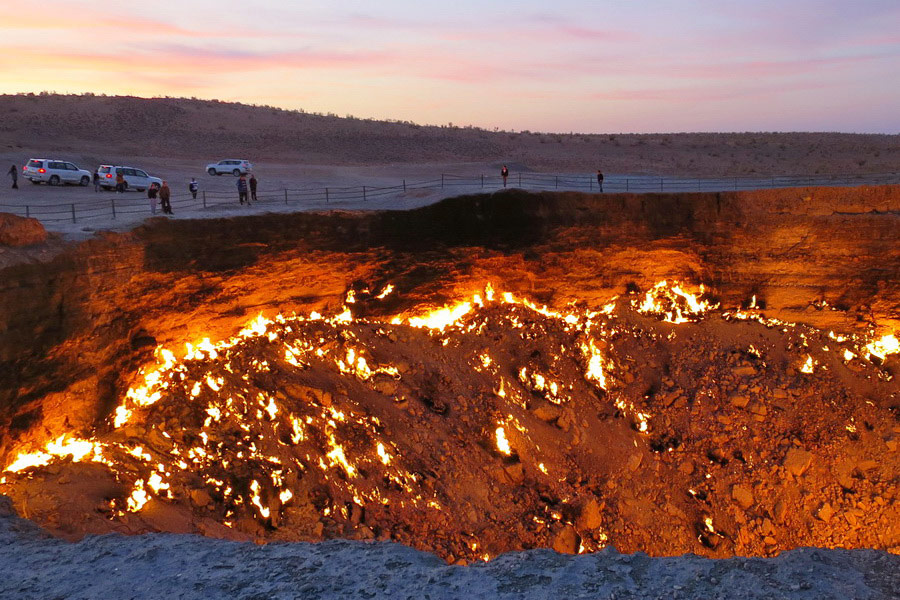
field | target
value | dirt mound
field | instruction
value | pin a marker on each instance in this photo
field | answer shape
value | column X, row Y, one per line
column 494, row 426
column 20, row 231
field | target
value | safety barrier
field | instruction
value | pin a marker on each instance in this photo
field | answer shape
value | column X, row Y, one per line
column 117, row 206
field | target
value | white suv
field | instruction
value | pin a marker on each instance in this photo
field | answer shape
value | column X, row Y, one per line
column 134, row 178
column 54, row 172
column 230, row 165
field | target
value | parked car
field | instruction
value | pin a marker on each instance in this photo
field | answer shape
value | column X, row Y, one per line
column 234, row 166
column 134, row 178
column 54, row 172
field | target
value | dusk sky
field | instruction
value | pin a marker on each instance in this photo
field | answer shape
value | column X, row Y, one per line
column 569, row 65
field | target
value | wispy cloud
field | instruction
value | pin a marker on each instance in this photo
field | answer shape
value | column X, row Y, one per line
column 739, row 70
column 542, row 64
column 705, row 94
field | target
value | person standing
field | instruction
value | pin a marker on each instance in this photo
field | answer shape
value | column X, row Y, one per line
column 193, row 186
column 164, row 195
column 252, row 188
column 120, row 183
column 504, row 173
column 600, row 179
column 151, row 194
column 14, row 175
column 96, row 179
column 242, row 189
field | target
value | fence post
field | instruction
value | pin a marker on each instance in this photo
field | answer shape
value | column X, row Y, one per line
column 285, row 196
column 660, row 184
column 27, row 211
column 626, row 184
column 113, row 202
column 442, row 181
column 591, row 183
column 482, row 181
column 735, row 184
column 73, row 212
column 204, row 198
column 557, row 182
column 404, row 186
column 364, row 193
column 326, row 195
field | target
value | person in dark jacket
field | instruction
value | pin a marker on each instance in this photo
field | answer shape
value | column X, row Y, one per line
column 164, row 195
column 193, row 186
column 252, row 187
column 151, row 194
column 600, row 179
column 96, row 180
column 504, row 173
column 242, row 189
column 14, row 175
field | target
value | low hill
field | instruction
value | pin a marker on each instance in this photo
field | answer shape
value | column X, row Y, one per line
column 190, row 128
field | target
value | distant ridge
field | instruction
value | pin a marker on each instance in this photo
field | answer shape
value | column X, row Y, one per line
column 189, row 128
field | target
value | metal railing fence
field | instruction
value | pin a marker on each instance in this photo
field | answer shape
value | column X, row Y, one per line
column 116, row 206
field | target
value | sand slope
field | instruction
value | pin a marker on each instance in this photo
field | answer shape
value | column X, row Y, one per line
column 93, row 129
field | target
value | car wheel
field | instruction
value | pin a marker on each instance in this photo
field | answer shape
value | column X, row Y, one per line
column 36, row 181
column 236, row 172
column 54, row 180
column 141, row 189
column 85, row 181
column 211, row 171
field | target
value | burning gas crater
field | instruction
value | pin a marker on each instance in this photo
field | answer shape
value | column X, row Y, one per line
column 304, row 427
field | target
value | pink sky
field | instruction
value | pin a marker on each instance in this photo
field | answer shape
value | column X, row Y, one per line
column 698, row 65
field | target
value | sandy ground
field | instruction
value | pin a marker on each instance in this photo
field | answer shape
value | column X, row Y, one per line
column 81, row 131
column 181, row 566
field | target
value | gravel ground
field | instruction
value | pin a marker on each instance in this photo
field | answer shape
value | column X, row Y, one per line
column 78, row 212
column 182, row 566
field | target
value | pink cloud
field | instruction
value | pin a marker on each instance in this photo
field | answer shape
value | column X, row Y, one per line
column 147, row 27
column 696, row 95
column 178, row 59
column 766, row 68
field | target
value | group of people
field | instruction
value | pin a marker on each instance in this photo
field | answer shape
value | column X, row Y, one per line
column 246, row 189
column 165, row 196
column 165, row 193
column 243, row 185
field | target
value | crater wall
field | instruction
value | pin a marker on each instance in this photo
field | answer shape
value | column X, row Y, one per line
column 73, row 330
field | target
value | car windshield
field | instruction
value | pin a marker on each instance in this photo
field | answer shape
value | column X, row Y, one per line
column 104, row 170
column 35, row 163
